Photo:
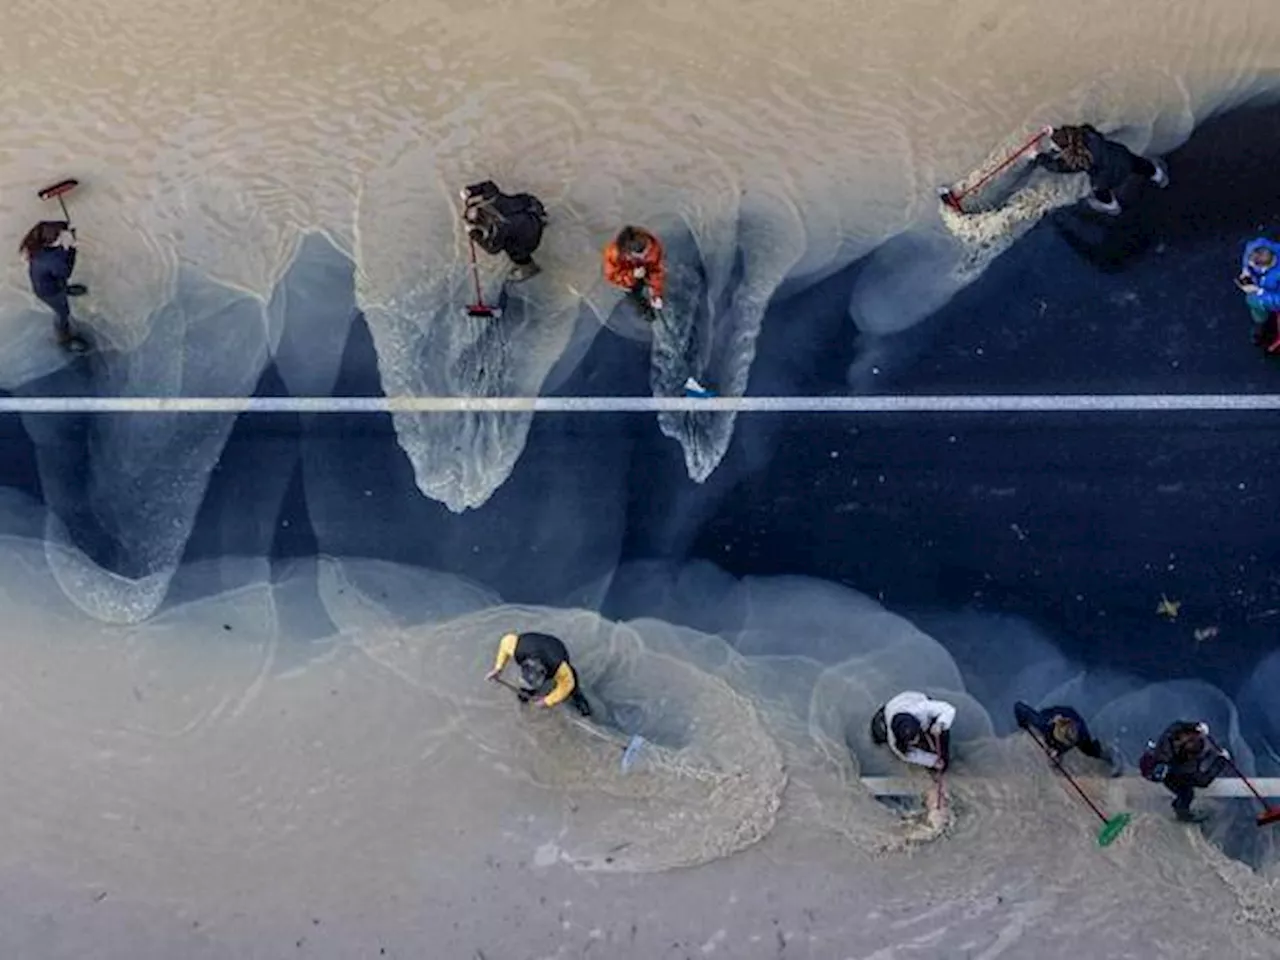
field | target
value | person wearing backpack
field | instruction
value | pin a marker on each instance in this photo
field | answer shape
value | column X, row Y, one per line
column 505, row 223
column 916, row 729
column 1184, row 760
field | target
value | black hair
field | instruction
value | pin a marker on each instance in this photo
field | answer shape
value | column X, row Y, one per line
column 632, row 240
column 43, row 234
column 906, row 730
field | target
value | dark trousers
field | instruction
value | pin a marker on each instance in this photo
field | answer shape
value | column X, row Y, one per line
column 1183, row 784
column 1105, row 181
column 639, row 295
column 61, row 308
column 577, row 698
column 524, row 233
column 1183, row 790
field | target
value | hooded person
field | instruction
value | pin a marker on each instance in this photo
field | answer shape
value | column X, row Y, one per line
column 50, row 251
column 1082, row 149
column 634, row 261
column 916, row 728
column 500, row 223
column 1062, row 729
column 545, row 671
column 1184, row 760
column 1259, row 281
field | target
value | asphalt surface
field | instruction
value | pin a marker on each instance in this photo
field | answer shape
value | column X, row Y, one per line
column 1079, row 522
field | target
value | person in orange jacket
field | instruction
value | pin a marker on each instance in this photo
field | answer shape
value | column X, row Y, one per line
column 634, row 262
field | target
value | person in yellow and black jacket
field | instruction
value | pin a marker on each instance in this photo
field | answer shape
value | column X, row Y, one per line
column 545, row 670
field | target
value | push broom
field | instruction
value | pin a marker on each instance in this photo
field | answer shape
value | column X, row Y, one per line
column 1269, row 814
column 629, row 752
column 56, row 191
column 952, row 198
column 1111, row 826
column 479, row 310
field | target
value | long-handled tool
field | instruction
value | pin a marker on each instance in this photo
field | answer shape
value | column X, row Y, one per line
column 629, row 752
column 56, row 191
column 1269, row 813
column 479, row 310
column 952, row 199
column 1111, row 827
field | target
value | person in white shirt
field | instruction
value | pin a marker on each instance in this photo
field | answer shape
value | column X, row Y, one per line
column 916, row 729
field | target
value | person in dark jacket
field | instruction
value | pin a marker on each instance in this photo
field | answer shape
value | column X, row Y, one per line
column 501, row 223
column 545, row 669
column 1062, row 728
column 1079, row 149
column 50, row 251
column 1183, row 760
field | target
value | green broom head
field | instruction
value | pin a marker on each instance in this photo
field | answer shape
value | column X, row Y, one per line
column 1113, row 828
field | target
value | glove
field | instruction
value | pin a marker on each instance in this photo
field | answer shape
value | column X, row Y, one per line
column 1159, row 772
column 639, row 273
column 66, row 240
column 1202, row 728
column 656, row 303
column 1224, row 753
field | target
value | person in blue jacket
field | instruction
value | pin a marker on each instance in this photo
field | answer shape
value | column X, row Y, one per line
column 1081, row 149
column 1259, row 280
column 1060, row 729
column 50, row 251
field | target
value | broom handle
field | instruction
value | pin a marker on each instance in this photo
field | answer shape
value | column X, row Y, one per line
column 1012, row 157
column 1070, row 779
column 475, row 269
column 509, row 686
column 1236, row 770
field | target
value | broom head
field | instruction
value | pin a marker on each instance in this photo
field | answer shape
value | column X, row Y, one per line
column 1113, row 828
column 950, row 199
column 57, row 189
column 1269, row 816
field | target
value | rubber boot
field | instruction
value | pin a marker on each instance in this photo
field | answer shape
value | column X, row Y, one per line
column 1111, row 209
column 66, row 339
column 1187, row 815
column 523, row 271
column 1161, row 177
